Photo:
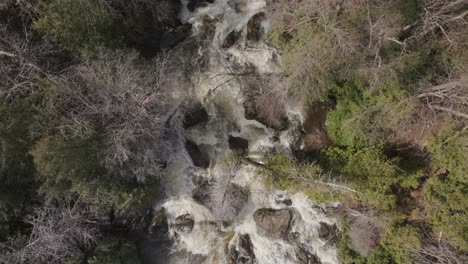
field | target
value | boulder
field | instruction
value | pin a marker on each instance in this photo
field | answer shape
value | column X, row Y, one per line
column 184, row 223
column 231, row 39
column 242, row 253
column 194, row 4
column 305, row 257
column 252, row 113
column 158, row 227
column 225, row 201
column 287, row 202
column 238, row 143
column 328, row 232
column 254, row 27
column 199, row 158
column 273, row 223
column 196, row 116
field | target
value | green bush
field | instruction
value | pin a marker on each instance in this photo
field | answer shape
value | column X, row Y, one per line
column 288, row 174
column 80, row 25
column 393, row 248
column 348, row 123
column 445, row 195
column 362, row 115
column 70, row 168
column 112, row 249
column 370, row 171
column 411, row 10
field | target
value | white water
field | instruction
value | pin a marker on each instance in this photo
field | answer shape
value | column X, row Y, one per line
column 222, row 97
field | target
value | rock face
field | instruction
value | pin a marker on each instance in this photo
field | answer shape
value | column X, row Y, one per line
column 231, row 39
column 254, row 27
column 196, row 116
column 305, row 257
column 224, row 200
column 328, row 232
column 243, row 253
column 252, row 113
column 184, row 223
column 194, row 4
column 159, row 224
column 273, row 223
column 199, row 158
column 238, row 143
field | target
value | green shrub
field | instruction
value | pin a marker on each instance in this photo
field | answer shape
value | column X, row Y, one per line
column 411, row 10
column 70, row 167
column 445, row 195
column 367, row 170
column 287, row 174
column 80, row 25
column 348, row 123
column 111, row 249
column 362, row 115
column 393, row 248
column 371, row 172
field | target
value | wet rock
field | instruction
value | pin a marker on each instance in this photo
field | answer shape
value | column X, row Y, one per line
column 294, row 236
column 238, row 143
column 194, row 4
column 273, row 223
column 328, row 232
column 305, row 257
column 286, row 202
column 315, row 135
column 158, row 227
column 199, row 158
column 338, row 211
column 196, row 116
column 254, row 27
column 183, row 256
column 231, row 39
column 243, row 253
column 252, row 113
column 184, row 223
column 225, row 200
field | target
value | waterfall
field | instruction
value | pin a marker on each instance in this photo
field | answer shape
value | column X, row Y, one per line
column 226, row 232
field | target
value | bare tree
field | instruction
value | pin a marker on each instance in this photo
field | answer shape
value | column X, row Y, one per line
column 57, row 232
column 451, row 97
column 442, row 14
column 24, row 58
column 437, row 250
column 265, row 100
column 127, row 101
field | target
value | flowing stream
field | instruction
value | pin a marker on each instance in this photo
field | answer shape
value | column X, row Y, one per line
column 224, row 230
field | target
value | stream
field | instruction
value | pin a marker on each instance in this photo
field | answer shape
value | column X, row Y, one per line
column 218, row 209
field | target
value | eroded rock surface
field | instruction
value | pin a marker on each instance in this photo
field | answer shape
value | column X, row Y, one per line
column 273, row 223
column 184, row 223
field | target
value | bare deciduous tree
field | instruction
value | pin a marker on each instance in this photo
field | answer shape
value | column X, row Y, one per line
column 57, row 232
column 126, row 101
column 437, row 250
column 266, row 100
column 25, row 59
column 441, row 14
column 451, row 97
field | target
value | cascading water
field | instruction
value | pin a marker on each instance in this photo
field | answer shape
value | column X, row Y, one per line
column 224, row 229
